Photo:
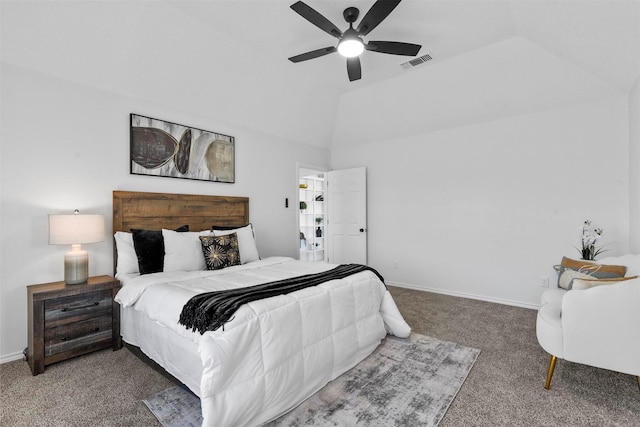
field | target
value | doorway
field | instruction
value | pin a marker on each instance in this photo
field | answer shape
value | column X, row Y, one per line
column 332, row 215
column 312, row 213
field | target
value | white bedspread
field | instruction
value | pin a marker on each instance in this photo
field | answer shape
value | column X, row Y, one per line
column 276, row 352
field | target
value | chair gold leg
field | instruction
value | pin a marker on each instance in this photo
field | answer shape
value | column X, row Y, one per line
column 552, row 366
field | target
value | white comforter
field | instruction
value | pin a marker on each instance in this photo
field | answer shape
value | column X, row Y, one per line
column 276, row 352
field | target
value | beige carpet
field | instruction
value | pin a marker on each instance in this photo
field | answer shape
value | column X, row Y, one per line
column 504, row 388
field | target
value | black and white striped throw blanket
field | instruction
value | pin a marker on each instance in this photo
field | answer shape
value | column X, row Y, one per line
column 211, row 310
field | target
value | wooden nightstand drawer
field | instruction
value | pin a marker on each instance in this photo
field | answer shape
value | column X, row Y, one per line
column 69, row 320
column 70, row 336
column 77, row 307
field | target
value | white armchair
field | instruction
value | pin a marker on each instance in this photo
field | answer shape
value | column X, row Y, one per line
column 597, row 326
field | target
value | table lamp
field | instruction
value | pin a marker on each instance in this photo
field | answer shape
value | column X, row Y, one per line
column 75, row 230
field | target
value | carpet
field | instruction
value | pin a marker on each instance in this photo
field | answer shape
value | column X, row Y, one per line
column 404, row 382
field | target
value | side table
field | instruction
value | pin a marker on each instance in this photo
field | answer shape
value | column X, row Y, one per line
column 69, row 320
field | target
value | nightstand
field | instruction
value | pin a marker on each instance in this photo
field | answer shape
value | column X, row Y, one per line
column 69, row 320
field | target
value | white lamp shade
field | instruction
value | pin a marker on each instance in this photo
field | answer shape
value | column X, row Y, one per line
column 75, row 229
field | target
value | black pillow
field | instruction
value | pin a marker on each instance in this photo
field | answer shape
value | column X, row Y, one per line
column 232, row 227
column 149, row 246
column 228, row 227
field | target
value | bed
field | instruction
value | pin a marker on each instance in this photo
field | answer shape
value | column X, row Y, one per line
column 273, row 353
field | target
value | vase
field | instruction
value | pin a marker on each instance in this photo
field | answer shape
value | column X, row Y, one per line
column 318, row 232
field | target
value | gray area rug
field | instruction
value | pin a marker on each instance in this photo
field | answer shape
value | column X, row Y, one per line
column 176, row 406
column 404, row 382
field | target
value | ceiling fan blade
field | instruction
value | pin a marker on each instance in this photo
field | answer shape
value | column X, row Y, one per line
column 378, row 12
column 353, row 68
column 394, row 48
column 313, row 54
column 316, row 19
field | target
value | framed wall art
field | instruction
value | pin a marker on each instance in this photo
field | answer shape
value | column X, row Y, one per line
column 162, row 148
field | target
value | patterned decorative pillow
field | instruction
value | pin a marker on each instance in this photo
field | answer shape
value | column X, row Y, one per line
column 570, row 269
column 631, row 261
column 220, row 251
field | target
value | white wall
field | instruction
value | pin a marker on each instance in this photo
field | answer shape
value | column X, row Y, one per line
column 634, row 168
column 486, row 210
column 66, row 146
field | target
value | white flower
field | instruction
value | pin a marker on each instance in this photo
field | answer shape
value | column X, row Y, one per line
column 590, row 236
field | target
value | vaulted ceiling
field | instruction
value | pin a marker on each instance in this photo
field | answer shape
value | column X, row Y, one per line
column 227, row 60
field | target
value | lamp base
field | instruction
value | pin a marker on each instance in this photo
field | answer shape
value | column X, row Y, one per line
column 76, row 266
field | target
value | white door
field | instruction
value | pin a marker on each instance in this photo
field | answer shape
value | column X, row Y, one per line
column 347, row 214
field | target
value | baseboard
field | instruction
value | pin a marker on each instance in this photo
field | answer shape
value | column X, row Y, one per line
column 6, row 358
column 464, row 295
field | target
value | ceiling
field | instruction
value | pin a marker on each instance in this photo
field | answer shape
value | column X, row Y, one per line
column 603, row 36
column 228, row 60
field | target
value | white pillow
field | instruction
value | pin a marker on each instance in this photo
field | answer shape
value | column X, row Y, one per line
column 246, row 242
column 630, row 260
column 582, row 284
column 127, row 258
column 182, row 251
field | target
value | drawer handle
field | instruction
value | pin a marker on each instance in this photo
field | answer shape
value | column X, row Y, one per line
column 94, row 330
column 81, row 306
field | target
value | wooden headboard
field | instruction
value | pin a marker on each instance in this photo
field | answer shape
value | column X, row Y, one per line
column 154, row 211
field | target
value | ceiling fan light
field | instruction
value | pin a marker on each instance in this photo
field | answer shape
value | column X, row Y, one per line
column 350, row 47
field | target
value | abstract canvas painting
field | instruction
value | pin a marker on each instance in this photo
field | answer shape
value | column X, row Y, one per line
column 162, row 148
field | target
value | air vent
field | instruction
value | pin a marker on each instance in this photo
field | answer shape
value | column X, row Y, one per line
column 416, row 61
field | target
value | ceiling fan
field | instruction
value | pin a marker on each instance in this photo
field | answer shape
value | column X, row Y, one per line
column 350, row 42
